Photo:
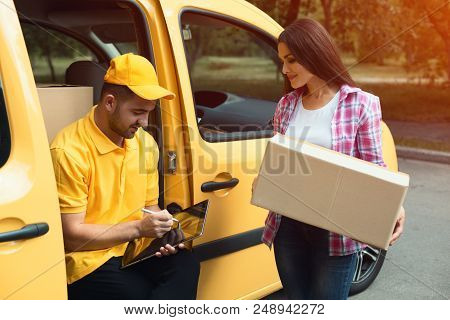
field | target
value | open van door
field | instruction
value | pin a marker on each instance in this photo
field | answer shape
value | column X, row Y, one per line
column 215, row 90
column 31, row 244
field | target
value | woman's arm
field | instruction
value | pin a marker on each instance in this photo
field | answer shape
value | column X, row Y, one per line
column 398, row 230
column 368, row 137
column 369, row 142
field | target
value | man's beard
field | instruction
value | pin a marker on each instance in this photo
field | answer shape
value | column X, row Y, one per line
column 114, row 125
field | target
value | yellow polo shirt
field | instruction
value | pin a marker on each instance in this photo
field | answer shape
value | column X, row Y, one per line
column 111, row 184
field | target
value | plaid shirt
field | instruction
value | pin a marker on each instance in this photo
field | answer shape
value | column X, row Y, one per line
column 355, row 131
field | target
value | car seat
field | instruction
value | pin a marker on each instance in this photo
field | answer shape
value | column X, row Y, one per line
column 87, row 73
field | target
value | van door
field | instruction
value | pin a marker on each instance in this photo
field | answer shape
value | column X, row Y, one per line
column 229, row 82
column 31, row 243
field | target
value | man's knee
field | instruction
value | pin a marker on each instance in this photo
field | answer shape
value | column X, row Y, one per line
column 177, row 277
column 188, row 262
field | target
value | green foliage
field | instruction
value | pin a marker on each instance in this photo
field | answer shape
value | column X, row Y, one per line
column 287, row 11
column 40, row 40
column 366, row 28
column 412, row 102
column 51, row 47
column 226, row 41
column 411, row 32
column 427, row 44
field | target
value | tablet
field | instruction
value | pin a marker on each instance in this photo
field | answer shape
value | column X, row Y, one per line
column 191, row 225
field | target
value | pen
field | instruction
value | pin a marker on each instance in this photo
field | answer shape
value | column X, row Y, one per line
column 150, row 211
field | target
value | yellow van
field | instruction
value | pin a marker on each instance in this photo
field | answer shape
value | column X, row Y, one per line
column 218, row 56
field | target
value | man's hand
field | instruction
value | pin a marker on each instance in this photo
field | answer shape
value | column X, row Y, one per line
column 398, row 230
column 167, row 250
column 156, row 224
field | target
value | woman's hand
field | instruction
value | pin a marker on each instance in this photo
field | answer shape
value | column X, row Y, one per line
column 398, row 230
column 254, row 183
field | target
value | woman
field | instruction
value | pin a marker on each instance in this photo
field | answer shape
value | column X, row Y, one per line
column 324, row 107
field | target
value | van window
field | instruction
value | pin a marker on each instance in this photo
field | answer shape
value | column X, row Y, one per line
column 235, row 76
column 126, row 47
column 52, row 52
column 5, row 135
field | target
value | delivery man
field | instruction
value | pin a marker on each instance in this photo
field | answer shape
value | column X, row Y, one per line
column 106, row 172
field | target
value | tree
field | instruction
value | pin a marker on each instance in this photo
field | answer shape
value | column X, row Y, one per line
column 438, row 14
column 412, row 33
column 38, row 46
column 327, row 13
column 368, row 29
column 49, row 45
column 283, row 11
column 292, row 12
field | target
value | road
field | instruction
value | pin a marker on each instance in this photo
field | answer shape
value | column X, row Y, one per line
column 418, row 265
column 434, row 132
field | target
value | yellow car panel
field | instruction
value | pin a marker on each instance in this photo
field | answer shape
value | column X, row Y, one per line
column 243, row 273
column 33, row 268
column 388, row 146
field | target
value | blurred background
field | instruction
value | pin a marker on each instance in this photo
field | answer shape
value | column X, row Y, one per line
column 396, row 49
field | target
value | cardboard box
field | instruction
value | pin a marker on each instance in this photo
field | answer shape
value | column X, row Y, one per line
column 61, row 105
column 330, row 190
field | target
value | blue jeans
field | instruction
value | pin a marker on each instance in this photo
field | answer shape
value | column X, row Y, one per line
column 305, row 268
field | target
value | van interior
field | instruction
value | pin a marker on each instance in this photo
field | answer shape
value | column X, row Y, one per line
column 70, row 44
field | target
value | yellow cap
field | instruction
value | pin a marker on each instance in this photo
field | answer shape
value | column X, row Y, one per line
column 138, row 74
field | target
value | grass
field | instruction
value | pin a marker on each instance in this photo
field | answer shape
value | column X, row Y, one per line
column 392, row 69
column 400, row 100
column 259, row 78
column 412, row 102
column 41, row 70
column 258, row 89
column 422, row 144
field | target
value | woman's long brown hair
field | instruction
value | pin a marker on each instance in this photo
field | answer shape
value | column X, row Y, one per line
column 313, row 48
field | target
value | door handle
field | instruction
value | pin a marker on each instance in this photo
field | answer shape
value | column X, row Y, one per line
column 214, row 186
column 27, row 232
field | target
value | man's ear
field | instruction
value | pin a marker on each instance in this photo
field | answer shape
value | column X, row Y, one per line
column 110, row 102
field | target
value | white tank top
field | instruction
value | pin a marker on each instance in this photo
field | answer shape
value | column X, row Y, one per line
column 313, row 126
